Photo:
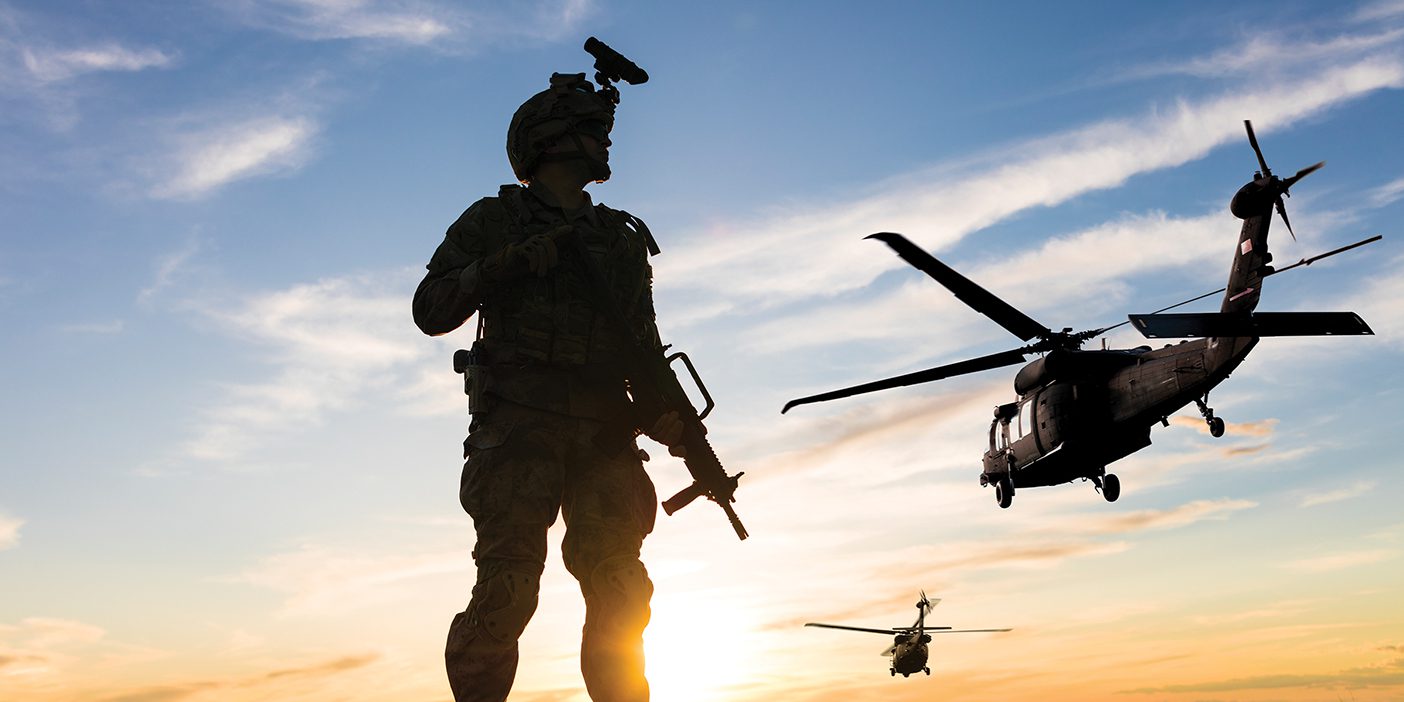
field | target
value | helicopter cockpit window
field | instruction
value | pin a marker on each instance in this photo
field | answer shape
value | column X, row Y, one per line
column 1026, row 418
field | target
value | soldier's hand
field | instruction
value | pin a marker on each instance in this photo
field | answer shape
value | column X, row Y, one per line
column 540, row 254
column 668, row 430
column 537, row 255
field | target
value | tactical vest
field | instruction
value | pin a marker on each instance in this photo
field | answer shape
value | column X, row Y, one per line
column 545, row 341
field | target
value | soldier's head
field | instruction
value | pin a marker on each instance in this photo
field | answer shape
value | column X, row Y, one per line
column 567, row 122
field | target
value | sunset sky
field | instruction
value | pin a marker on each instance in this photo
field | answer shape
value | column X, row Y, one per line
column 229, row 461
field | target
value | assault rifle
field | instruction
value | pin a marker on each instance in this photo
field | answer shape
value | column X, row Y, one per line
column 655, row 391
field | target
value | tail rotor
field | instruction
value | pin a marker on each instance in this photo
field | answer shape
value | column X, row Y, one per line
column 1280, row 186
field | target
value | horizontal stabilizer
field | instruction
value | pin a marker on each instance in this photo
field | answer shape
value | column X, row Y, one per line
column 1174, row 326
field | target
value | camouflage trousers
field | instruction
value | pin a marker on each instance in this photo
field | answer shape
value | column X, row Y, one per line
column 524, row 466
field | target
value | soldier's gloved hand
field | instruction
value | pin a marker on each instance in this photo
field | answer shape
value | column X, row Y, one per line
column 536, row 256
column 668, row 430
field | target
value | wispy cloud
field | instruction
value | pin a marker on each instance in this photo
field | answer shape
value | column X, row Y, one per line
column 328, row 342
column 52, row 65
column 9, row 531
column 322, row 581
column 168, row 269
column 414, row 22
column 1381, row 9
column 1386, row 194
column 1339, row 561
column 1387, row 674
column 1274, row 54
column 196, row 689
column 1356, row 489
column 209, row 158
column 796, row 255
column 1152, row 519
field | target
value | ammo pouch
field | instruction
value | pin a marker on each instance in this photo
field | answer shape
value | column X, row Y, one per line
column 473, row 365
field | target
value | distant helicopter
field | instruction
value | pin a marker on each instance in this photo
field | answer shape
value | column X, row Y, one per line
column 1079, row 411
column 908, row 649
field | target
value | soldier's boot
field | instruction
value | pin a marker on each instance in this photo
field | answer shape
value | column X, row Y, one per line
column 481, row 653
column 616, row 613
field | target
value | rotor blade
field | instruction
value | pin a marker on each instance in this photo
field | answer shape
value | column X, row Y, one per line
column 1253, row 139
column 1301, row 174
column 1281, row 210
column 980, row 299
column 888, row 651
column 968, row 631
column 974, row 365
column 888, row 632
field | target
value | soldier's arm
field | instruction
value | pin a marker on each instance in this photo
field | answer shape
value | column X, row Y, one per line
column 452, row 289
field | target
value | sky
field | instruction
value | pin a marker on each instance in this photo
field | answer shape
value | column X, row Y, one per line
column 229, row 461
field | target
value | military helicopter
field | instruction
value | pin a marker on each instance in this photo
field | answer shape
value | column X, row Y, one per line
column 908, row 649
column 1079, row 411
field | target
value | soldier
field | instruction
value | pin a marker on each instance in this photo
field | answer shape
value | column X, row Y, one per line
column 541, row 385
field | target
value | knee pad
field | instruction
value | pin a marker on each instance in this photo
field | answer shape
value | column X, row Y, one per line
column 504, row 603
column 619, row 589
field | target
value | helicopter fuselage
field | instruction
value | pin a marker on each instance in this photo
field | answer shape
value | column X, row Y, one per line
column 1079, row 411
column 909, row 654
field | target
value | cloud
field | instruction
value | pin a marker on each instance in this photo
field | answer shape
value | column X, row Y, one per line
column 1258, row 429
column 9, row 531
column 414, row 22
column 210, row 158
column 1388, row 674
column 1381, row 9
column 168, row 269
column 328, row 341
column 1386, row 194
column 325, row 581
column 1272, row 54
column 1339, row 561
column 801, row 253
column 1151, row 519
column 281, row 677
column 53, row 65
column 1356, row 489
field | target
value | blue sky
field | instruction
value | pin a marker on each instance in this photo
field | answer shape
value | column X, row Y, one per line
column 228, row 460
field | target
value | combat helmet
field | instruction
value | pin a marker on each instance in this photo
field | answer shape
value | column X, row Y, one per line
column 571, row 106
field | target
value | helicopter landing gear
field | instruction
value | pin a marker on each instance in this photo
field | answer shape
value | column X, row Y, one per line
column 893, row 671
column 1216, row 424
column 1109, row 485
column 1004, row 492
column 926, row 670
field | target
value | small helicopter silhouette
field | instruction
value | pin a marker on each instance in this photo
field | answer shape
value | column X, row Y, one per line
column 908, row 649
column 1079, row 411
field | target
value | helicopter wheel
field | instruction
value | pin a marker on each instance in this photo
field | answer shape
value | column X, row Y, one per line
column 1004, row 492
column 893, row 671
column 1111, row 487
column 1216, row 427
column 926, row 670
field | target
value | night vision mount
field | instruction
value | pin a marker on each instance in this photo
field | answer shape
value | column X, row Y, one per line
column 610, row 65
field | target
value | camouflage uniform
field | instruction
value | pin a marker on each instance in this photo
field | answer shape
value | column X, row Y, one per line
column 547, row 387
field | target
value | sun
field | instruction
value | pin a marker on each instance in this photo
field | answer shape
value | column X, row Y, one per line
column 696, row 647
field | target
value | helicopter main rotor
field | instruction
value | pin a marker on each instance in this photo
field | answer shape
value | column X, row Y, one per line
column 979, row 299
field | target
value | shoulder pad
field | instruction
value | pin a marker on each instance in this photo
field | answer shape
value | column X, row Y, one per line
column 510, row 199
column 634, row 224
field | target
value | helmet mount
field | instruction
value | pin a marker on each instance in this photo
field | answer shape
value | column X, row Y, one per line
column 571, row 106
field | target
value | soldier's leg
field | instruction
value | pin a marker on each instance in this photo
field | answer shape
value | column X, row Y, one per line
column 511, row 487
column 609, row 506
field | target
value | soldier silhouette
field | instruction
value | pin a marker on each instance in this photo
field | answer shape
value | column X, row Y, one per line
column 542, row 380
